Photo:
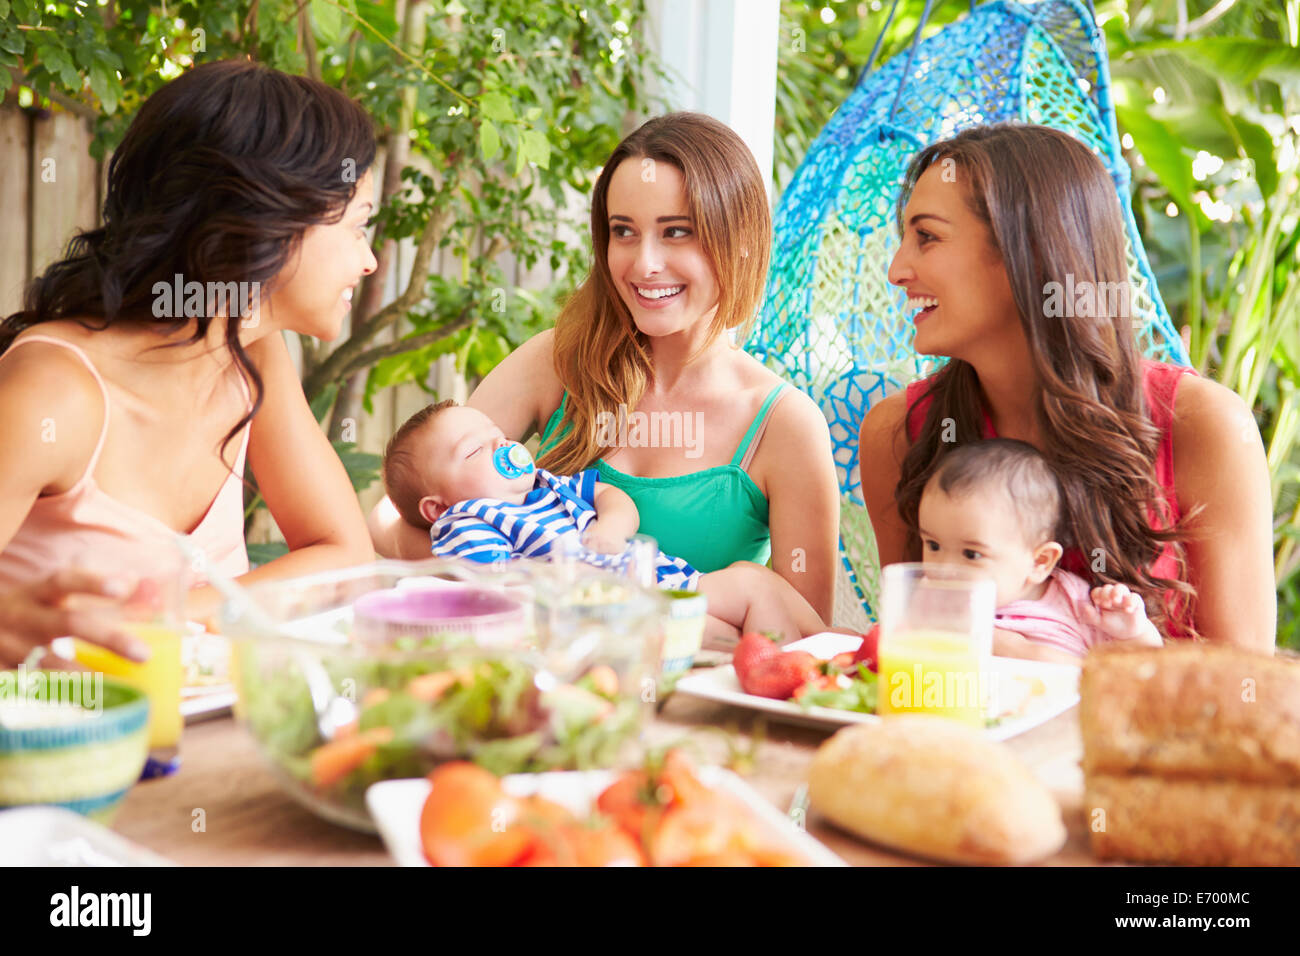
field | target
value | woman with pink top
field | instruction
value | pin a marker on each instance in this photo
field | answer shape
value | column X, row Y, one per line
column 148, row 366
column 1164, row 479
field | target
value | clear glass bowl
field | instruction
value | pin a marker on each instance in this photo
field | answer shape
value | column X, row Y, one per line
column 335, row 710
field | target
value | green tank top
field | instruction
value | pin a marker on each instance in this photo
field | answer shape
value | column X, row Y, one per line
column 708, row 518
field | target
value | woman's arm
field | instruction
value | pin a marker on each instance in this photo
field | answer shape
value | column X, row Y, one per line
column 1219, row 462
column 523, row 390
column 882, row 446
column 53, row 412
column 305, row 485
column 517, row 395
column 803, row 500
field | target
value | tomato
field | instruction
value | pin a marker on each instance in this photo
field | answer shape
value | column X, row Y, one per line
column 468, row 820
column 603, row 845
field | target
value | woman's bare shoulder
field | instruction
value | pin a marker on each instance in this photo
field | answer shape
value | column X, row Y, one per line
column 51, row 391
column 882, row 425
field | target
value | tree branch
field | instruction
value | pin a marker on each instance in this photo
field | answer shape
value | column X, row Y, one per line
column 1210, row 15
column 409, row 345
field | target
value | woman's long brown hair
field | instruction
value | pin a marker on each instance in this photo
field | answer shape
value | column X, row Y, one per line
column 1052, row 212
column 601, row 357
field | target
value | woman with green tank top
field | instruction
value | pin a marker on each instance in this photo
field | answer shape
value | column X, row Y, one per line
column 681, row 233
column 729, row 512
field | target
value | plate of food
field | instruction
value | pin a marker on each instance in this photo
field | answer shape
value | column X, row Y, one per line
column 206, row 688
column 666, row 813
column 833, row 684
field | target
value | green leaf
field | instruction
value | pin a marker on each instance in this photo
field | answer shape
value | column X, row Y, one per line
column 536, row 147
column 4, row 8
column 322, row 403
column 489, row 140
column 496, row 106
column 328, row 19
column 1238, row 59
column 263, row 552
column 104, row 84
column 1164, row 156
column 362, row 467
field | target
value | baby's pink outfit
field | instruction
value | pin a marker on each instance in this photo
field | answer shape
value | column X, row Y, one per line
column 1054, row 619
column 85, row 527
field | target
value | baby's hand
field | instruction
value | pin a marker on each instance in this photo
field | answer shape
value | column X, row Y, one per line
column 1119, row 612
column 598, row 540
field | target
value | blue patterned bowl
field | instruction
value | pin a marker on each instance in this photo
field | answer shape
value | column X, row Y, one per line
column 70, row 739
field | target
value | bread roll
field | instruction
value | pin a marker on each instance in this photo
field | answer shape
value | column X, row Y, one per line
column 936, row 788
column 1192, row 710
column 1201, row 822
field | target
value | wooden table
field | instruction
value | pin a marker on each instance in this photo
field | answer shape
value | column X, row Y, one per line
column 247, row 820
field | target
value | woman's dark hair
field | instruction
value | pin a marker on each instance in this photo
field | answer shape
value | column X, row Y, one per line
column 1052, row 212
column 217, row 178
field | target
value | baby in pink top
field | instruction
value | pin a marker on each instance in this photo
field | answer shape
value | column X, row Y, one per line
column 995, row 505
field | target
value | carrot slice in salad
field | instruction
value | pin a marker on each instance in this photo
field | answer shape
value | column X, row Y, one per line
column 332, row 761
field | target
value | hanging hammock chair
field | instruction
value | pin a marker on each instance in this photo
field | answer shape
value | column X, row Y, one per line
column 830, row 322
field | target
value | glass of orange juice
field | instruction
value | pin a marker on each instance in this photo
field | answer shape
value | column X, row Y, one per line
column 153, row 613
column 936, row 636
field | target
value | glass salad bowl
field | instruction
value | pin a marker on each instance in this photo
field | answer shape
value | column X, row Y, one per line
column 385, row 670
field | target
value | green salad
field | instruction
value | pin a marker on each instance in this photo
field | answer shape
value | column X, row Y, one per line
column 859, row 695
column 424, row 702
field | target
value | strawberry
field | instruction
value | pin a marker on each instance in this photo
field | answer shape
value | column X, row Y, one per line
column 867, row 651
column 753, row 647
column 845, row 661
column 825, row 682
column 780, row 676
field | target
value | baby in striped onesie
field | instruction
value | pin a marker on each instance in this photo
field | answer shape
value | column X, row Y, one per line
column 450, row 469
column 995, row 506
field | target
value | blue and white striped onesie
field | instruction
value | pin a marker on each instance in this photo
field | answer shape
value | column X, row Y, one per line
column 489, row 529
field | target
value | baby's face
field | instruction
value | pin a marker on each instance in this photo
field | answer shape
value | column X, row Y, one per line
column 980, row 530
column 455, row 451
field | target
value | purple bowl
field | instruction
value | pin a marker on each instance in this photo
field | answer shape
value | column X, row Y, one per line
column 420, row 611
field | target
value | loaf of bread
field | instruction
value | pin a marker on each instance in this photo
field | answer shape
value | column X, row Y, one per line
column 1191, row 754
column 1201, row 822
column 936, row 788
column 1192, row 710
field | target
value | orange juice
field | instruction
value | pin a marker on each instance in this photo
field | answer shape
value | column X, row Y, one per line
column 930, row 672
column 159, row 677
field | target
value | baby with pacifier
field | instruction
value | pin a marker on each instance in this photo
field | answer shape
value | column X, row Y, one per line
column 450, row 469
column 996, row 506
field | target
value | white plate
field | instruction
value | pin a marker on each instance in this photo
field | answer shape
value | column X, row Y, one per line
column 395, row 807
column 1015, row 679
column 208, row 702
column 55, row 836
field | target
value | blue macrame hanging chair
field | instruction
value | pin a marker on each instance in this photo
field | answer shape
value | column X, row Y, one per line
column 830, row 322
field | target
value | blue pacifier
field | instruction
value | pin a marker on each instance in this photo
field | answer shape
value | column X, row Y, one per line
column 513, row 461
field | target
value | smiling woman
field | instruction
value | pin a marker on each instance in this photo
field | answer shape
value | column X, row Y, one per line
column 133, row 421
column 680, row 233
column 1165, row 484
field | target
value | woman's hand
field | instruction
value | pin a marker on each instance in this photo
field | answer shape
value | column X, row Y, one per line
column 32, row 616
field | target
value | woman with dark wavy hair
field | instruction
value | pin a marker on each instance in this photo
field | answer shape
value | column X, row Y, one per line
column 148, row 365
column 1013, row 258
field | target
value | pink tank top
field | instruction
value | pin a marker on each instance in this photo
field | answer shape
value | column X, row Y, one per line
column 1159, row 387
column 84, row 521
